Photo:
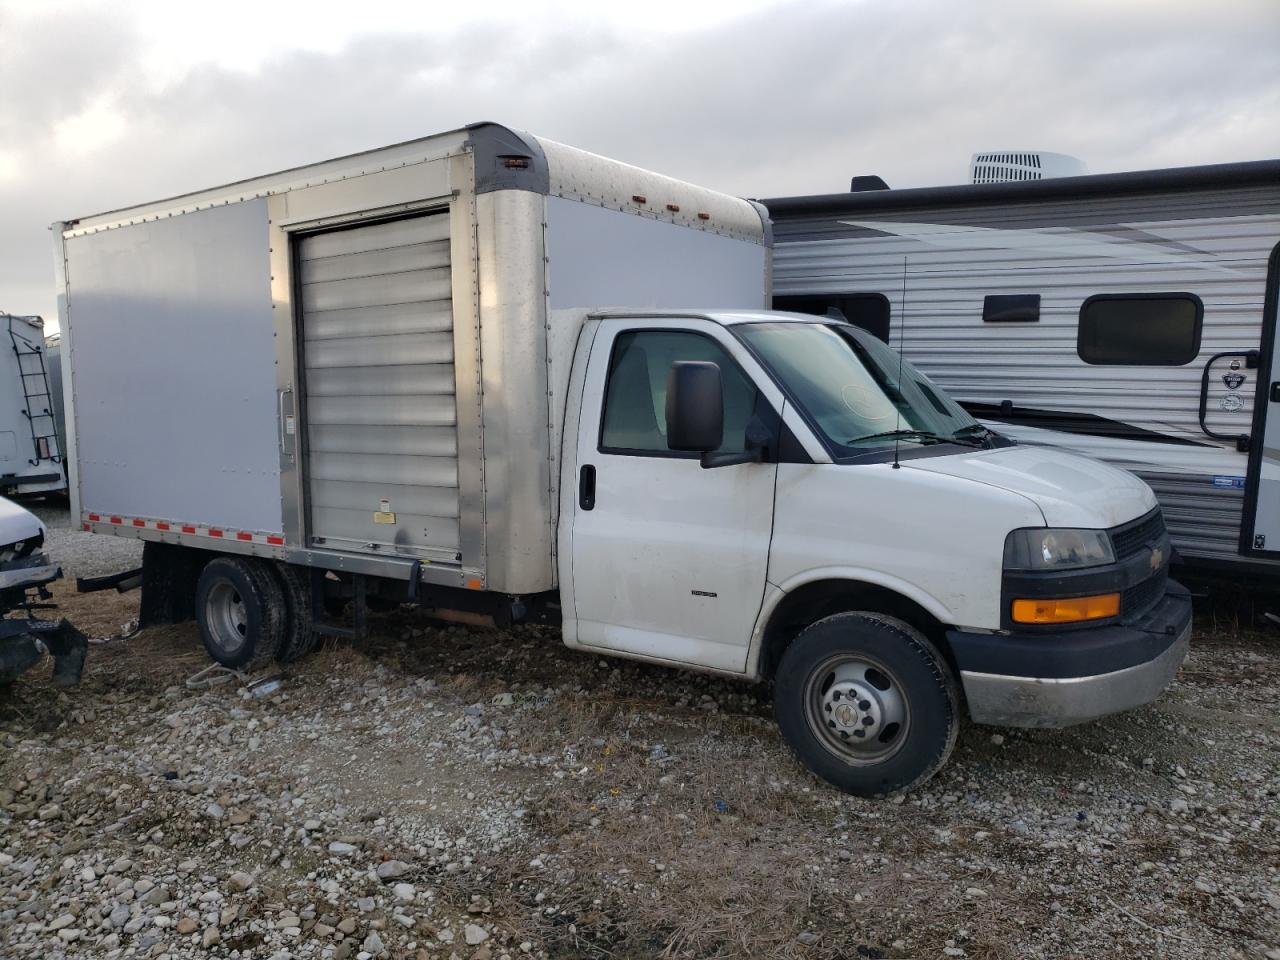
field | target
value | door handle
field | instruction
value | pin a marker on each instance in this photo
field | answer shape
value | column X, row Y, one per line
column 287, row 422
column 1251, row 362
column 587, row 487
column 1275, row 392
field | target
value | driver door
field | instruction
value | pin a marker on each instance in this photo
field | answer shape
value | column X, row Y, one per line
column 668, row 558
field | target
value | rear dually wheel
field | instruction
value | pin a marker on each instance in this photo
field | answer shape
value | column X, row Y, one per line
column 240, row 610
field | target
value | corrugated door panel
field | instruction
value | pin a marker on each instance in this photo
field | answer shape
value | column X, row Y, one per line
column 399, row 380
column 381, row 351
column 411, row 471
column 382, row 236
column 349, row 525
column 377, row 291
column 379, row 321
column 377, row 355
column 426, row 501
column 377, row 262
column 421, row 411
column 415, row 441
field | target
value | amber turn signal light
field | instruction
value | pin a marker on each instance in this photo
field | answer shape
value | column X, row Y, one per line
column 1071, row 610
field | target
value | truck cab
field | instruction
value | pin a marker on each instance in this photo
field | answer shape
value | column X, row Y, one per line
column 781, row 497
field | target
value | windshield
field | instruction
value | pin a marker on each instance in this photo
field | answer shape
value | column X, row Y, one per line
column 847, row 381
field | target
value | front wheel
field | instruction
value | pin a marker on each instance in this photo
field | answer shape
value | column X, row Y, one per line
column 867, row 703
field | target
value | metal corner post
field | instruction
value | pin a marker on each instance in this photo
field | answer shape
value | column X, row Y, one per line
column 70, row 456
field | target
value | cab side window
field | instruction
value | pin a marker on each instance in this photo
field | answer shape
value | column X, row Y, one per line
column 635, row 405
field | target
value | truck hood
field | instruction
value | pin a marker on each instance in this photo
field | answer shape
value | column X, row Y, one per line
column 1070, row 490
column 17, row 523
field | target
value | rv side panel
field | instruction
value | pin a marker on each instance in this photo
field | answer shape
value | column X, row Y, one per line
column 1027, row 377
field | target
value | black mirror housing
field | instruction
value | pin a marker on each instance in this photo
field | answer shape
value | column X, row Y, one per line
column 695, row 406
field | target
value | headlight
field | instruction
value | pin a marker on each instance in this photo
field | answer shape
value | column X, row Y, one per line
column 1049, row 549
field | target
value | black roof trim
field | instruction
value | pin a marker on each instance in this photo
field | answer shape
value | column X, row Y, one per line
column 507, row 159
column 1247, row 174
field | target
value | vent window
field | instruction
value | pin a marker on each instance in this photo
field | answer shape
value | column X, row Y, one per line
column 1143, row 329
column 870, row 311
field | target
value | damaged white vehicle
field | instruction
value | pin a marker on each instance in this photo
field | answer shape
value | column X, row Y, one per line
column 25, row 573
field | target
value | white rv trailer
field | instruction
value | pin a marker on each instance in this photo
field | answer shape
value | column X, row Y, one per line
column 30, row 444
column 386, row 375
column 1130, row 317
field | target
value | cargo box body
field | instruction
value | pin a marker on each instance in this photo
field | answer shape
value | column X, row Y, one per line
column 360, row 365
column 30, row 438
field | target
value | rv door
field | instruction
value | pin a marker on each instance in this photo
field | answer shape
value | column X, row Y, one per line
column 1262, row 497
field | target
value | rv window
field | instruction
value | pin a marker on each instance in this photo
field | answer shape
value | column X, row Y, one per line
column 870, row 311
column 1011, row 308
column 1141, row 329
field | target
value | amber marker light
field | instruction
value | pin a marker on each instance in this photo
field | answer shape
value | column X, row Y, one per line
column 1069, row 610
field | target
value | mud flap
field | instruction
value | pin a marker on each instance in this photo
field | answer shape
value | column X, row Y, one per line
column 169, row 574
column 17, row 655
column 24, row 642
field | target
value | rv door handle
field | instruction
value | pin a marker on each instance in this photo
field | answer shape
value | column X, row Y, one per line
column 1275, row 392
column 587, row 487
column 1242, row 440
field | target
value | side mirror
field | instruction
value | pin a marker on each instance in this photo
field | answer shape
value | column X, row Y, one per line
column 695, row 406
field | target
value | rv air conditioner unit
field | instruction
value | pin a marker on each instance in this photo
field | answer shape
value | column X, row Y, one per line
column 1023, row 165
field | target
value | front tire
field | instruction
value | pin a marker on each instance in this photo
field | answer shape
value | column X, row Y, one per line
column 240, row 610
column 867, row 703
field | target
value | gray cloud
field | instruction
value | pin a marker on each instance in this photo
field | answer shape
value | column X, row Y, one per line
column 791, row 101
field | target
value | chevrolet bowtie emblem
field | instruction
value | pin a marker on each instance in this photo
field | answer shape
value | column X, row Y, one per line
column 1157, row 558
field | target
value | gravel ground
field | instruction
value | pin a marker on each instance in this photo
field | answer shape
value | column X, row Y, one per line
column 455, row 792
column 82, row 554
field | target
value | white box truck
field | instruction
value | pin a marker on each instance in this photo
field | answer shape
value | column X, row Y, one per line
column 30, row 441
column 389, row 377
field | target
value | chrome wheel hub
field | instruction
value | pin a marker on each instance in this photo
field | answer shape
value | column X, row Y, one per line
column 226, row 616
column 857, row 708
column 853, row 710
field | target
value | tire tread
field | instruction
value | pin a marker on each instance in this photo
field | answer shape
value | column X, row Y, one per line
column 301, row 637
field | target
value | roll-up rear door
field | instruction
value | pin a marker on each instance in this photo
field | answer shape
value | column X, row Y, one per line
column 377, row 356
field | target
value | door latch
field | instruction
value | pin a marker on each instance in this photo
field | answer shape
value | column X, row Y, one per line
column 587, row 487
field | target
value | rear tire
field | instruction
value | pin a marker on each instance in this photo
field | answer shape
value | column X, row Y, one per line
column 241, row 612
column 300, row 636
column 867, row 703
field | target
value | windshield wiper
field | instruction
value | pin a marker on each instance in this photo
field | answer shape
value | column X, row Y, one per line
column 923, row 434
column 975, row 434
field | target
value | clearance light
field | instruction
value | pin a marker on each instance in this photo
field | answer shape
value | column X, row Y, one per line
column 1071, row 610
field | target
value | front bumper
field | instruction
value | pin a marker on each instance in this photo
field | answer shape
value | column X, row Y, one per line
column 1073, row 676
column 29, row 572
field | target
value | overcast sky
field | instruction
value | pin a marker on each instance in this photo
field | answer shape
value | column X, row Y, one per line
column 107, row 104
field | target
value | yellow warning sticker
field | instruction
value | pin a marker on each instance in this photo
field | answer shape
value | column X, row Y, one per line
column 383, row 516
